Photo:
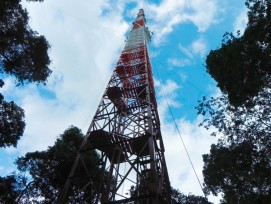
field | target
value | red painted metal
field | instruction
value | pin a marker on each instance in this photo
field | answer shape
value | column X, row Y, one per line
column 126, row 132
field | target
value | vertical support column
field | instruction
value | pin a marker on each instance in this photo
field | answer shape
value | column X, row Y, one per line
column 125, row 131
column 153, row 177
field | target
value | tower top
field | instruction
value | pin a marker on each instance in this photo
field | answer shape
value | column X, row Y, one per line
column 125, row 130
column 140, row 20
column 141, row 12
column 135, row 37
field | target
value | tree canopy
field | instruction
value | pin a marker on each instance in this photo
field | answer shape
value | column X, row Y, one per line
column 23, row 55
column 241, row 172
column 238, row 166
column 241, row 67
column 48, row 171
column 179, row 198
column 11, row 123
column 10, row 188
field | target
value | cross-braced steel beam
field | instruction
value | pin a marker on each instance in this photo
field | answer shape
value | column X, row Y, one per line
column 126, row 132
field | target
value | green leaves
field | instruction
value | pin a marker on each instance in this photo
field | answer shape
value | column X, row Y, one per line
column 241, row 66
column 240, row 171
column 11, row 188
column 49, row 169
column 11, row 123
column 239, row 165
column 8, row 190
column 178, row 197
column 24, row 55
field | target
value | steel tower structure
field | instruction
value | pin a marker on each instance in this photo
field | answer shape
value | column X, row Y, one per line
column 126, row 132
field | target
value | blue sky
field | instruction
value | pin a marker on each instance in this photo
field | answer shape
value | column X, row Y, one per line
column 86, row 38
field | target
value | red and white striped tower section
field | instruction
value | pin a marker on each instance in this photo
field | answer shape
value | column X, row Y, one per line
column 126, row 132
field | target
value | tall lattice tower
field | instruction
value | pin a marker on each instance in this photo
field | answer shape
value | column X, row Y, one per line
column 126, row 132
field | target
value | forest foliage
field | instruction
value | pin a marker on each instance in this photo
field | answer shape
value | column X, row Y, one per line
column 238, row 166
column 41, row 175
column 23, row 55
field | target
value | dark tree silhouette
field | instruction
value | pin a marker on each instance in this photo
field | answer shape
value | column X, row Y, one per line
column 241, row 67
column 179, row 198
column 24, row 55
column 11, row 122
column 48, row 172
column 239, row 165
column 10, row 188
column 241, row 172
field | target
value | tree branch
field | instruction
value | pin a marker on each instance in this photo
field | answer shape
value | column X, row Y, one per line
column 22, row 193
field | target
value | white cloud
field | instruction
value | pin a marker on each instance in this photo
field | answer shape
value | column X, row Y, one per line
column 169, row 13
column 85, row 46
column 168, row 96
column 9, row 85
column 186, row 51
column 199, row 46
column 169, row 88
column 84, row 51
column 204, row 13
column 196, row 139
column 240, row 22
column 179, row 62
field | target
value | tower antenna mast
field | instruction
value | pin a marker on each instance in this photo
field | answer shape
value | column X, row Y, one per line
column 125, row 130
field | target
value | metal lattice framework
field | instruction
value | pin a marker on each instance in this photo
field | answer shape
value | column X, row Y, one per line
column 126, row 132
